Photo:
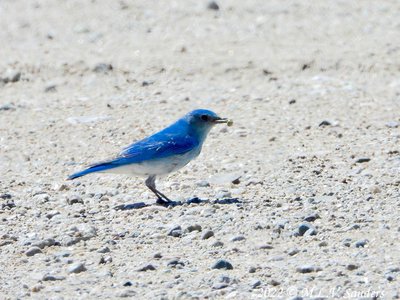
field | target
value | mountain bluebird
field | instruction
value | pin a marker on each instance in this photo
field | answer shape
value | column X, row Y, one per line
column 163, row 152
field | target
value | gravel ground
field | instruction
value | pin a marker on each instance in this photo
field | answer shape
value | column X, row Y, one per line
column 299, row 198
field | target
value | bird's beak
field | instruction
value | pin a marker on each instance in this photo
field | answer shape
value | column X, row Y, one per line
column 220, row 120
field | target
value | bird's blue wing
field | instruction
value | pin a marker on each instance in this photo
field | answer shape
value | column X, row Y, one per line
column 157, row 147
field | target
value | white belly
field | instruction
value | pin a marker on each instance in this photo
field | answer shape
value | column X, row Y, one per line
column 157, row 166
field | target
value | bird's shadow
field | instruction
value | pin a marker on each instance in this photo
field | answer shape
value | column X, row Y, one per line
column 196, row 200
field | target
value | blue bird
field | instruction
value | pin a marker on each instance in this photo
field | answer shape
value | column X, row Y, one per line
column 163, row 152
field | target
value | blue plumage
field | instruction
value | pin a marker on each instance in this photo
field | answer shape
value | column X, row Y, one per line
column 163, row 152
column 94, row 168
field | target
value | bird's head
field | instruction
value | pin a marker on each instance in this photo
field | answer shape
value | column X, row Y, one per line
column 202, row 120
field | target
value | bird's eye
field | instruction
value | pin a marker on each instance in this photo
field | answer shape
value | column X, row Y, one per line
column 204, row 118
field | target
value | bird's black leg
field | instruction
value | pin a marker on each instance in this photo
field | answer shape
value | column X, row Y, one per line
column 163, row 196
column 151, row 184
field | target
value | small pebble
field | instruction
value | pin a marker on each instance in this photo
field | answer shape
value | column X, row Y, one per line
column 8, row 205
column 238, row 238
column 323, row 244
column 307, row 269
column 225, row 178
column 15, row 76
column 50, row 88
column 5, row 107
column 203, row 183
column 347, row 242
column 63, row 254
column 74, row 199
column 274, row 282
column 52, row 278
column 222, row 282
column 312, row 217
column 362, row 160
column 255, row 283
column 390, row 277
column 217, row 244
column 157, row 255
column 45, row 243
column 374, row 189
column 105, row 260
column 351, row 267
column 222, row 264
column 33, row 251
column 51, row 214
column 131, row 294
column 353, row 227
column 11, row 76
column 394, row 269
column 146, row 267
column 5, row 196
column 325, row 123
column 213, row 5
column 147, row 83
column 77, row 268
column 219, row 285
column 5, row 243
column 265, row 247
column 306, row 229
column 102, row 68
column 293, row 251
column 36, row 288
column 252, row 269
column 104, row 249
column 195, row 227
column 175, row 231
column 175, row 263
column 361, row 243
column 392, row 124
column 223, row 195
column 127, row 283
column 206, row 235
column 280, row 224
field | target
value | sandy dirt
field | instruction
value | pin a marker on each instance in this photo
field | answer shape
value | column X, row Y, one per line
column 300, row 196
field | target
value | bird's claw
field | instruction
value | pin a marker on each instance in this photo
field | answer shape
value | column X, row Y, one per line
column 162, row 202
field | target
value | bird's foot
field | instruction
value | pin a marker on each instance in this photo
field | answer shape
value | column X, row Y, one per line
column 163, row 202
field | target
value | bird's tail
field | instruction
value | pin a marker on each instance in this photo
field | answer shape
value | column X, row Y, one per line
column 93, row 168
